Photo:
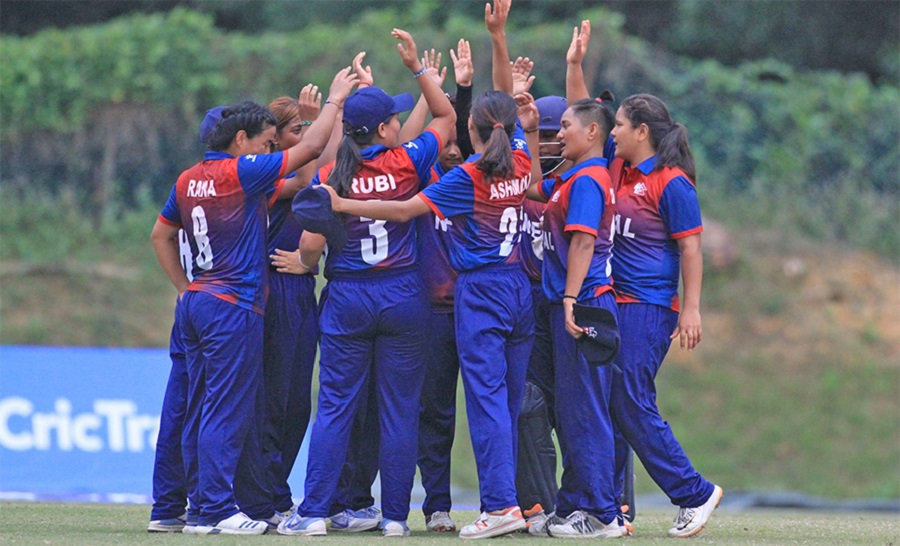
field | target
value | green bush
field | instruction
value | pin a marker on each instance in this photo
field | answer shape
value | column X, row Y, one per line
column 109, row 111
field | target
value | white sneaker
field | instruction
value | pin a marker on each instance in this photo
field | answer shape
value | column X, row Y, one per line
column 440, row 522
column 274, row 520
column 238, row 524
column 538, row 526
column 536, row 517
column 393, row 528
column 495, row 523
column 304, row 526
column 582, row 525
column 690, row 521
column 167, row 525
column 355, row 521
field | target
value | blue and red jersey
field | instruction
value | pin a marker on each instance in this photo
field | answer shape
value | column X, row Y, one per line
column 486, row 212
column 655, row 208
column 531, row 249
column 434, row 256
column 580, row 200
column 386, row 174
column 222, row 204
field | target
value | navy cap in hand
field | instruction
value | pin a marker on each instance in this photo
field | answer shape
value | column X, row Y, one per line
column 312, row 209
column 600, row 342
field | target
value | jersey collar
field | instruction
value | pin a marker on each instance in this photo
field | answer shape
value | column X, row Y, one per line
column 646, row 166
column 592, row 162
column 370, row 152
column 216, row 155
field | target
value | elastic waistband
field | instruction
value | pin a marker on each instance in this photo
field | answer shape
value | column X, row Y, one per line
column 367, row 274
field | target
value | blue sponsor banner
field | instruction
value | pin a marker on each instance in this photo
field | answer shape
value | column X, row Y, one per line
column 81, row 423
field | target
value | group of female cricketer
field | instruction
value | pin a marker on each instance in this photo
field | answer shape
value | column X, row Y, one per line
column 410, row 304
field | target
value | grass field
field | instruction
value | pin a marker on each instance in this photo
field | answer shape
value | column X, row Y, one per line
column 99, row 524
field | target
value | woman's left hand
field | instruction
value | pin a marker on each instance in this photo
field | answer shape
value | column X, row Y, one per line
column 529, row 116
column 689, row 332
column 309, row 103
column 288, row 262
column 573, row 329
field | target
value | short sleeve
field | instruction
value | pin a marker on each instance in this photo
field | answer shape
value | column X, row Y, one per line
column 258, row 173
column 170, row 214
column 545, row 188
column 452, row 195
column 423, row 151
column 679, row 208
column 517, row 140
column 585, row 206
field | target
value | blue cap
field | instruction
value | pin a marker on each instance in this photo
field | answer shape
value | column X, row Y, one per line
column 550, row 109
column 370, row 106
column 312, row 210
column 600, row 342
column 210, row 120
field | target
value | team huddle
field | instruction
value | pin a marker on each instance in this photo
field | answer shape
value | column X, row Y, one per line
column 532, row 247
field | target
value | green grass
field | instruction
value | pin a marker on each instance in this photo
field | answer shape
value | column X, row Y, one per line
column 99, row 524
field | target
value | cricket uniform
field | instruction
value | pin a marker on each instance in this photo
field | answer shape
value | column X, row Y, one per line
column 437, row 413
column 222, row 204
column 371, row 313
column 493, row 321
column 654, row 209
column 581, row 200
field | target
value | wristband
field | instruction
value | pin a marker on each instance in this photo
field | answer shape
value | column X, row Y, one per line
column 305, row 123
column 420, row 72
column 338, row 104
column 362, row 85
column 303, row 265
column 566, row 297
column 528, row 132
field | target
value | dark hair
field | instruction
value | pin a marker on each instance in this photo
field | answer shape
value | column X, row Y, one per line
column 597, row 111
column 668, row 138
column 348, row 158
column 248, row 116
column 494, row 115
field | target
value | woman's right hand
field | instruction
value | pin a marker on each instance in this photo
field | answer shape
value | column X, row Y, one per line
column 462, row 63
column 336, row 200
column 529, row 116
column 288, row 262
column 343, row 83
column 364, row 74
column 309, row 102
column 407, row 49
column 579, row 46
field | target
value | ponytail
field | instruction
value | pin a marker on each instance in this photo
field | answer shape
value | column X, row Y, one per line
column 494, row 115
column 668, row 138
column 347, row 160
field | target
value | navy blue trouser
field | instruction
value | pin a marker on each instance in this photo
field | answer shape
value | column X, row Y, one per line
column 360, row 469
column 645, row 331
column 223, row 347
column 368, row 322
column 583, row 424
column 290, row 337
column 494, row 335
column 169, row 485
column 437, row 412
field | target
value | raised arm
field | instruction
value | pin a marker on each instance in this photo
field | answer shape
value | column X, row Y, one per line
column 309, row 104
column 464, row 71
column 415, row 122
column 314, row 141
column 495, row 21
column 576, row 89
column 443, row 116
column 529, row 117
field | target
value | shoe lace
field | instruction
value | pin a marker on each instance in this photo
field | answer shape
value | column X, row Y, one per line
column 683, row 517
column 482, row 520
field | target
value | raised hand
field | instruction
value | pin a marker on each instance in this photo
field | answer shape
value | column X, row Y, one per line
column 521, row 75
column 343, row 83
column 364, row 74
column 407, row 49
column 579, row 46
column 495, row 20
column 529, row 116
column 432, row 63
column 463, row 69
column 309, row 102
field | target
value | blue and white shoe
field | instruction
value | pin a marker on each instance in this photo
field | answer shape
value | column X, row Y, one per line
column 167, row 525
column 303, row 526
column 392, row 528
column 356, row 521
